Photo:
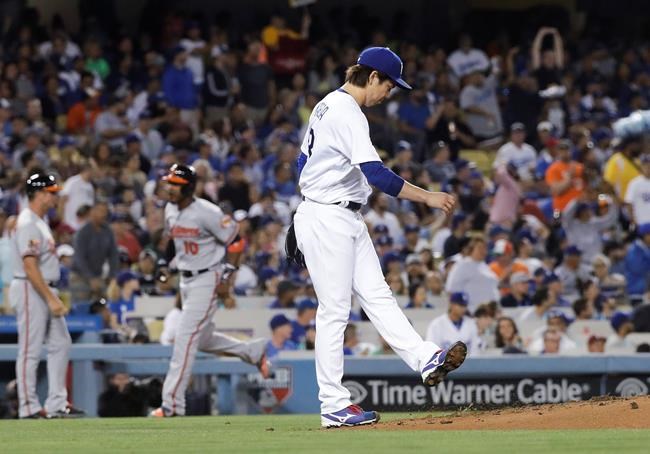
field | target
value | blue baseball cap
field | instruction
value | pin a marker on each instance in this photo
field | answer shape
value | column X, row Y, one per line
column 390, row 257
column 125, row 276
column 457, row 219
column 411, row 228
column 572, row 250
column 385, row 61
column 278, row 321
column 307, row 303
column 561, row 315
column 551, row 277
column 618, row 319
column 380, row 228
column 498, row 230
column 459, row 298
column 385, row 240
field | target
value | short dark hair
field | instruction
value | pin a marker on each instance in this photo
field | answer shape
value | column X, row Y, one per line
column 359, row 75
column 579, row 305
column 540, row 296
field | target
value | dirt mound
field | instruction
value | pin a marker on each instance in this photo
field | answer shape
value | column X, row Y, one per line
column 597, row 413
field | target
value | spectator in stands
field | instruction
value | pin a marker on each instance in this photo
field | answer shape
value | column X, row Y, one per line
column 555, row 287
column 478, row 99
column 551, row 341
column 503, row 265
column 584, row 309
column 287, row 292
column 218, row 89
column 237, row 189
column 584, row 228
column 379, row 214
column 517, row 153
column 439, row 165
column 507, row 197
column 77, row 192
column 65, row 253
column 455, row 326
column 179, row 89
column 306, row 315
column 170, row 323
column 559, row 322
column 543, row 301
column 121, row 294
column 596, row 344
column 564, row 177
column 418, row 297
column 572, row 272
column 637, row 265
column 352, row 346
column 507, row 336
column 518, row 295
column 112, row 125
column 484, row 317
column 621, row 169
column 94, row 245
column 449, row 125
column 280, row 336
column 460, row 225
column 257, row 83
column 473, row 276
column 622, row 325
column 82, row 115
column 466, row 58
column 547, row 63
column 112, row 332
column 637, row 194
column 147, row 271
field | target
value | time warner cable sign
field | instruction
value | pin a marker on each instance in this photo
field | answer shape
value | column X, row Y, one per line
column 403, row 394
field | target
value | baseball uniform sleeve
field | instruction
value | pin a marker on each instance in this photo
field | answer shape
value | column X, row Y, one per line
column 29, row 240
column 221, row 225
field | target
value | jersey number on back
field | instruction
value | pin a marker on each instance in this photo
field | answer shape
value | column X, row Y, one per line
column 310, row 144
column 191, row 248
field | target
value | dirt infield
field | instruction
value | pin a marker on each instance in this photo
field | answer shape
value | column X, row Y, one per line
column 598, row 413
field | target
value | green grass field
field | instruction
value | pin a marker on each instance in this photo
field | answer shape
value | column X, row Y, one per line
column 293, row 434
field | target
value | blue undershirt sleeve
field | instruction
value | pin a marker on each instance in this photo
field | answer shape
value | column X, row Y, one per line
column 300, row 163
column 383, row 178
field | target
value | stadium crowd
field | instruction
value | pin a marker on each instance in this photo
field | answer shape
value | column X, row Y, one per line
column 553, row 208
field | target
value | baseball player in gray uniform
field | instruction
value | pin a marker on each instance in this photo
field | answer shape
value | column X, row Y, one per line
column 201, row 234
column 39, row 310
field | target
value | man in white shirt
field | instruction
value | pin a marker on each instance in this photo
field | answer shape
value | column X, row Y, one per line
column 379, row 214
column 195, row 47
column 557, row 322
column 638, row 193
column 455, row 326
column 77, row 191
column 466, row 59
column 518, row 153
column 473, row 276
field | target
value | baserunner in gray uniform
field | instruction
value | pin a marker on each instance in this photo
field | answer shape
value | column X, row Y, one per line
column 39, row 310
column 202, row 237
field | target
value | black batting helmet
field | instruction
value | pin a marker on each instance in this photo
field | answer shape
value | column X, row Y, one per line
column 40, row 181
column 184, row 176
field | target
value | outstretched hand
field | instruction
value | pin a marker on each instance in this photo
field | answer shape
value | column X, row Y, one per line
column 442, row 200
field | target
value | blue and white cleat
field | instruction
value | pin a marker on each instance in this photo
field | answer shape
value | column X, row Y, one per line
column 443, row 362
column 349, row 416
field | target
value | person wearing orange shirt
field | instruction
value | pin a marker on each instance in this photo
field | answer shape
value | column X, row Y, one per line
column 82, row 115
column 504, row 265
column 565, row 177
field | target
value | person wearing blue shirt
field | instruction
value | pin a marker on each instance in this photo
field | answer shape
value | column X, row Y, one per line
column 280, row 337
column 306, row 315
column 637, row 264
column 178, row 83
column 129, row 285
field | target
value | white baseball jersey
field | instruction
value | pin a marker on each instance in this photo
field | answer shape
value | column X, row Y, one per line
column 638, row 195
column 336, row 142
column 443, row 332
column 200, row 232
column 34, row 237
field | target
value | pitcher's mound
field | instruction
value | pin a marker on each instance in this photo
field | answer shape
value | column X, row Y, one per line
column 597, row 413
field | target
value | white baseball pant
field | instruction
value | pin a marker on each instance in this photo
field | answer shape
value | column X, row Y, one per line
column 196, row 331
column 341, row 260
column 36, row 325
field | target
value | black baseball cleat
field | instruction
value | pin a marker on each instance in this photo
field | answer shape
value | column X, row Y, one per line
column 40, row 414
column 68, row 412
column 443, row 362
